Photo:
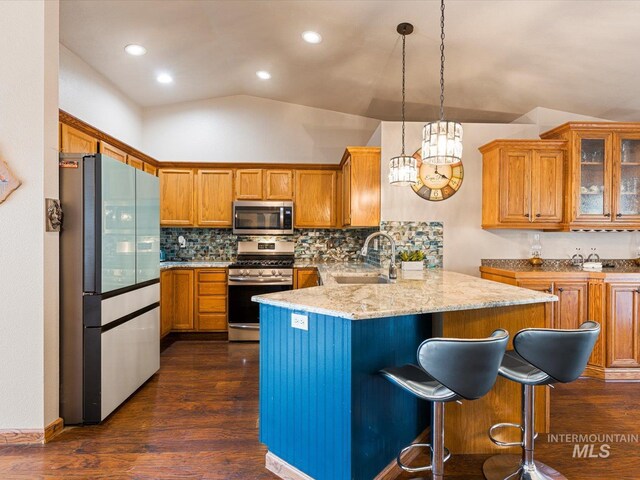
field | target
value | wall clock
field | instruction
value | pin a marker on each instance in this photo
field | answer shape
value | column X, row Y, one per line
column 437, row 182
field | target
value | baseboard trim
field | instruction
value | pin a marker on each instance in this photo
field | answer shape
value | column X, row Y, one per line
column 282, row 469
column 31, row 436
column 618, row 374
column 392, row 470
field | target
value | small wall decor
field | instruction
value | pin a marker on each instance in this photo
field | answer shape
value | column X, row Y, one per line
column 8, row 182
column 54, row 215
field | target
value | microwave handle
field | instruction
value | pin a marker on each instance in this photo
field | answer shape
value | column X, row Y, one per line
column 281, row 217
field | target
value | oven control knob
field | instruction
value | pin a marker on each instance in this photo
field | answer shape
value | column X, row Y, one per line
column 244, row 273
column 274, row 273
column 260, row 272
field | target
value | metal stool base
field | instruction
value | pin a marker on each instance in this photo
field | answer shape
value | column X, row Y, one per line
column 509, row 467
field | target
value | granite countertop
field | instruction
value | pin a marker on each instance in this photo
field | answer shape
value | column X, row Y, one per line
column 559, row 266
column 195, row 264
column 414, row 292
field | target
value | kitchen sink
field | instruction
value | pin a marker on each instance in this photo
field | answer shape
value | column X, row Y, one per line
column 360, row 279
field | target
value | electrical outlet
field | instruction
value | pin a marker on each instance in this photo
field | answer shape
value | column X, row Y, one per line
column 300, row 322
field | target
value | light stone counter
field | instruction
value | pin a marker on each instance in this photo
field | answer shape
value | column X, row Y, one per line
column 427, row 291
column 212, row 264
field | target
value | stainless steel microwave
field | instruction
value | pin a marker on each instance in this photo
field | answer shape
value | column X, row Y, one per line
column 262, row 218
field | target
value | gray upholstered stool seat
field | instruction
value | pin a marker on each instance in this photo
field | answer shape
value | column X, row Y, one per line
column 449, row 369
column 540, row 357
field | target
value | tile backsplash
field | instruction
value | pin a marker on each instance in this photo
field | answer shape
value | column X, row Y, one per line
column 311, row 244
column 221, row 244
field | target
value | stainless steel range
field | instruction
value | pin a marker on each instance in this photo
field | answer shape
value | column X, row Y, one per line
column 261, row 267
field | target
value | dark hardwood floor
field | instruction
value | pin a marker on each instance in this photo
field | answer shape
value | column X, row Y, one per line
column 197, row 419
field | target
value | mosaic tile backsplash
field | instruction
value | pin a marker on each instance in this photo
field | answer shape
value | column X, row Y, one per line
column 317, row 245
column 427, row 237
column 220, row 244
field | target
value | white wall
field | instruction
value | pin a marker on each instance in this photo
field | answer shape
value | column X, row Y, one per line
column 465, row 242
column 250, row 129
column 547, row 118
column 29, row 255
column 86, row 94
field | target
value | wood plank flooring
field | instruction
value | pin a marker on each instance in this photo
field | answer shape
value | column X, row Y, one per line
column 197, row 419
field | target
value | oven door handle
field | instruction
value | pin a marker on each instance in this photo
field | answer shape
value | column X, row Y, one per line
column 244, row 326
column 258, row 280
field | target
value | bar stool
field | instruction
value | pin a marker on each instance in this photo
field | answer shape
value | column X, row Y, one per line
column 450, row 369
column 540, row 357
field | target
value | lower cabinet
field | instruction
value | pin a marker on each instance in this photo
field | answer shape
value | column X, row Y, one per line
column 193, row 300
column 623, row 325
column 612, row 300
column 305, row 277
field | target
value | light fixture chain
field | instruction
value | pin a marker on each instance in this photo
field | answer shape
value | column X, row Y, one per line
column 441, row 60
column 404, row 44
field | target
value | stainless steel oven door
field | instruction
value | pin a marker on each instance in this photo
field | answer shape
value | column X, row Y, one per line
column 244, row 315
column 269, row 218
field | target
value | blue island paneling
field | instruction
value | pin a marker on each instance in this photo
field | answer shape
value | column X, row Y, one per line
column 323, row 406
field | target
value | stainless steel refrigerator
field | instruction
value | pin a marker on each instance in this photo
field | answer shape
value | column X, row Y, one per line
column 109, row 284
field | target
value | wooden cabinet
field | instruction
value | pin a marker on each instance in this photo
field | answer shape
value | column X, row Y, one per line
column 135, row 162
column 571, row 309
column 523, row 184
column 602, row 190
column 249, row 184
column 113, row 152
column 166, row 302
column 73, row 140
column 214, row 194
column 183, row 287
column 611, row 299
column 623, row 322
column 315, row 194
column 361, row 187
column 278, row 185
column 211, row 300
column 176, row 197
column 305, row 277
column 147, row 167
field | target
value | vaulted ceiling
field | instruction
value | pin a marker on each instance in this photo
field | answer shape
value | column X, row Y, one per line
column 504, row 57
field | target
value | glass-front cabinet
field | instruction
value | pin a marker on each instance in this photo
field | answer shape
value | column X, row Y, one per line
column 593, row 177
column 626, row 177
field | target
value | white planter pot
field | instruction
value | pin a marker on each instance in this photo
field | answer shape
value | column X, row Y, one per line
column 413, row 265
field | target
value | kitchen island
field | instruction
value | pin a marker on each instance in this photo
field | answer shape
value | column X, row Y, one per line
column 326, row 413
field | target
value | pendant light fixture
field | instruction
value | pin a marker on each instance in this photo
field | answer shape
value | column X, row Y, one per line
column 442, row 140
column 403, row 169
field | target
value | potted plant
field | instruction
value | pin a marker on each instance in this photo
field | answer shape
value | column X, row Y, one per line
column 412, row 260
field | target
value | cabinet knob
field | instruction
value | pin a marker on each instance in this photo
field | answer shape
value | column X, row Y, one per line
column 637, row 290
column 526, row 215
column 618, row 215
column 538, row 215
column 549, row 290
column 607, row 214
column 561, row 289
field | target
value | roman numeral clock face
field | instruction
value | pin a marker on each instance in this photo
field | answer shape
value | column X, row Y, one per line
column 437, row 182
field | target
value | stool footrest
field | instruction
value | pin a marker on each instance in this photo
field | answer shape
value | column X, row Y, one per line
column 407, row 468
column 506, row 425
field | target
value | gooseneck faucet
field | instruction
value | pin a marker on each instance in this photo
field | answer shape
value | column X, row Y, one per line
column 393, row 270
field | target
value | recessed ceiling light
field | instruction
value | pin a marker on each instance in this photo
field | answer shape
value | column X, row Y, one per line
column 263, row 75
column 164, row 78
column 135, row 50
column 312, row 37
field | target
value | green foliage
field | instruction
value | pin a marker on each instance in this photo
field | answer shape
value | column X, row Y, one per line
column 412, row 256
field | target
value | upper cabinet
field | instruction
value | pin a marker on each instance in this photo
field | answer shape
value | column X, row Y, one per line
column 523, row 183
column 135, row 162
column 602, row 190
column 113, row 152
column 278, row 184
column 73, row 140
column 249, row 184
column 214, row 193
column 315, row 198
column 361, row 187
column 263, row 184
column 176, row 197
